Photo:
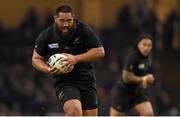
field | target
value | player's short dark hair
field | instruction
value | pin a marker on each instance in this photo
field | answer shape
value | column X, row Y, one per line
column 64, row 9
column 141, row 37
column 144, row 36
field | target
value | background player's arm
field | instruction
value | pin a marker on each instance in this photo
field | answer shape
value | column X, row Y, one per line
column 129, row 77
column 38, row 62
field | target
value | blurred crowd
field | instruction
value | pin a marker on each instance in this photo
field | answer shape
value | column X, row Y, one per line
column 25, row 91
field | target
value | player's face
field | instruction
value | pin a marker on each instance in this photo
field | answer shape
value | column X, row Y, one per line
column 64, row 21
column 145, row 46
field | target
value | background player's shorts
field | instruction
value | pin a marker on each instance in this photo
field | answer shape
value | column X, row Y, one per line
column 87, row 94
column 123, row 100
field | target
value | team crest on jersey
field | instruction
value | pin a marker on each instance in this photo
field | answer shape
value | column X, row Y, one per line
column 53, row 45
column 141, row 66
column 77, row 40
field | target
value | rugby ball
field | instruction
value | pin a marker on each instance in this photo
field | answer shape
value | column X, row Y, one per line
column 57, row 61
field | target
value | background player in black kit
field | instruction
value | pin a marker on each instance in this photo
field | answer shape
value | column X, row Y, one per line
column 136, row 76
column 76, row 90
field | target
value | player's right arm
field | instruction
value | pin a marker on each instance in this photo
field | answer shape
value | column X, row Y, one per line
column 129, row 77
column 40, row 50
column 38, row 62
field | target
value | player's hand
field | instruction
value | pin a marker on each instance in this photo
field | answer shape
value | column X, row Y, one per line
column 147, row 80
column 54, row 71
column 144, row 82
column 150, row 79
column 71, row 61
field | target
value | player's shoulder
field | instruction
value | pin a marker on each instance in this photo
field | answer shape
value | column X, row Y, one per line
column 82, row 25
column 48, row 30
column 132, row 56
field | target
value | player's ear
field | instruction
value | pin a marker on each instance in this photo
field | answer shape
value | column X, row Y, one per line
column 55, row 18
column 74, row 16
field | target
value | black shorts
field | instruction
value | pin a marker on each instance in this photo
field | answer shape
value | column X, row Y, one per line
column 86, row 93
column 123, row 99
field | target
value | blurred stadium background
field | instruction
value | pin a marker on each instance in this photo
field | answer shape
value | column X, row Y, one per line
column 25, row 91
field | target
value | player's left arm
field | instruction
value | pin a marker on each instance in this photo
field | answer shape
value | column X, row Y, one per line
column 91, row 55
column 93, row 45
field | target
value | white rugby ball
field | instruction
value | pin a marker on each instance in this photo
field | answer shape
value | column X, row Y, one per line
column 57, row 61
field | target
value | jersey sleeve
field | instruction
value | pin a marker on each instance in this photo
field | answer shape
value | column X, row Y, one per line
column 91, row 38
column 41, row 45
column 129, row 64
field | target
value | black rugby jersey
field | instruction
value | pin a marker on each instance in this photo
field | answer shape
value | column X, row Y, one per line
column 50, row 42
column 139, row 65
